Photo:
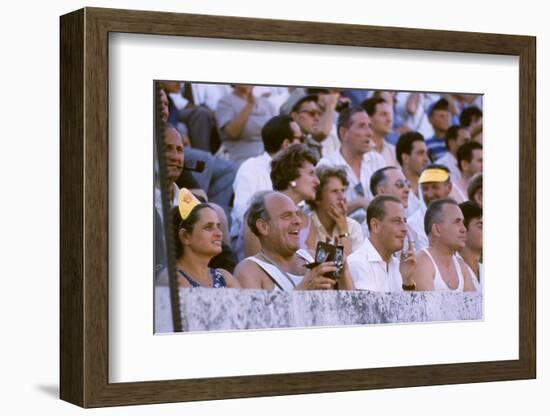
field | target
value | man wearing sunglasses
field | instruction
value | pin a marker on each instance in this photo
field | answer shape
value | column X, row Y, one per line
column 313, row 121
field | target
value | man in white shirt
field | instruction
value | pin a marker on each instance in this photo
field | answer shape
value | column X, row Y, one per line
column 254, row 173
column 381, row 116
column 374, row 266
column 435, row 183
column 356, row 157
column 470, row 163
column 455, row 137
column 412, row 155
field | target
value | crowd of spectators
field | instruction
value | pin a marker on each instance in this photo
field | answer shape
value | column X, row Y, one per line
column 257, row 177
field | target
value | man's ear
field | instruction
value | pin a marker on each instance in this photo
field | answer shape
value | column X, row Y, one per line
column 342, row 132
column 374, row 226
column 285, row 144
column 436, row 230
column 262, row 226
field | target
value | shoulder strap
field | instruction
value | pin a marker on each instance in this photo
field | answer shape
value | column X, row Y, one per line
column 303, row 253
column 278, row 277
column 460, row 287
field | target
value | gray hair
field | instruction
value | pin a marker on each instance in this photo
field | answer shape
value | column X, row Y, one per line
column 257, row 210
column 434, row 213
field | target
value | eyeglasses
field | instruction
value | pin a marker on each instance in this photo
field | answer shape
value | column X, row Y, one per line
column 312, row 113
column 400, row 184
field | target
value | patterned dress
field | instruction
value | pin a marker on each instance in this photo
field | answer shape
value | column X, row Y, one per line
column 217, row 279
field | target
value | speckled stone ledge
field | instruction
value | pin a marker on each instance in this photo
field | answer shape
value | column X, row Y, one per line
column 233, row 309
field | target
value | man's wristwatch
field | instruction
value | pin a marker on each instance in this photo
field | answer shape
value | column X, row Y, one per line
column 409, row 287
column 343, row 235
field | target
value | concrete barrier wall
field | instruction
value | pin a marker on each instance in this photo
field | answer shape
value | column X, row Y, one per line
column 235, row 309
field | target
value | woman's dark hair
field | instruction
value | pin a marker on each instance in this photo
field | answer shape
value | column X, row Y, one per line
column 188, row 224
column 284, row 167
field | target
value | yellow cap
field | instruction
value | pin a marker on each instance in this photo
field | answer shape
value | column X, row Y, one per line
column 186, row 202
column 434, row 175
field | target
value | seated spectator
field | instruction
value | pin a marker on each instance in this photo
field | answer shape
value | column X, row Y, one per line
column 198, row 239
column 472, row 251
column 240, row 117
column 292, row 173
column 439, row 115
column 355, row 156
column 435, row 183
column 191, row 119
column 254, row 174
column 412, row 154
column 475, row 189
column 380, row 111
column 374, row 265
column 472, row 119
column 470, row 163
column 216, row 176
column 391, row 181
column 438, row 268
column 455, row 137
column 307, row 113
column 410, row 114
column 329, row 217
column 280, row 264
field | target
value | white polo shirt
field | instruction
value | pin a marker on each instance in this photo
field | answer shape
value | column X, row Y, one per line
column 370, row 272
column 253, row 176
column 372, row 161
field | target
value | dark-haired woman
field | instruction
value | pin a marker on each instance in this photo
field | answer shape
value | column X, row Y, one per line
column 198, row 239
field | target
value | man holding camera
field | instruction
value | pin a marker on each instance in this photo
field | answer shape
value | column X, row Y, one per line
column 281, row 264
column 374, row 266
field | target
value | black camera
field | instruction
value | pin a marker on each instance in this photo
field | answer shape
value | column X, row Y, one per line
column 330, row 252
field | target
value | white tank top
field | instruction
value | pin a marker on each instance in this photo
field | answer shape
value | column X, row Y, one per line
column 283, row 281
column 477, row 283
column 439, row 283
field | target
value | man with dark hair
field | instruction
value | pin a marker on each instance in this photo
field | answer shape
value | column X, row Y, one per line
column 374, row 266
column 307, row 113
column 355, row 156
column 472, row 119
column 391, row 181
column 254, row 173
column 381, row 116
column 439, row 116
column 438, row 267
column 455, row 137
column 274, row 219
column 475, row 189
column 412, row 154
column 470, row 162
column 471, row 253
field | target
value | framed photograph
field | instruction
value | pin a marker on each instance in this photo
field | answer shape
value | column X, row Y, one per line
column 110, row 352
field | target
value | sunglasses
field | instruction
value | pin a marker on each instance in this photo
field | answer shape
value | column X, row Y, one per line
column 312, row 113
column 400, row 184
